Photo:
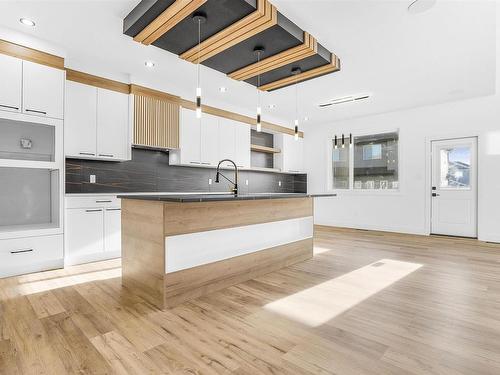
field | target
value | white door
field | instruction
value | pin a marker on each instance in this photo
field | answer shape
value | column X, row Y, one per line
column 112, row 229
column 43, row 90
column 11, row 76
column 80, row 122
column 242, row 145
column 190, row 137
column 227, row 140
column 209, row 140
column 112, row 124
column 454, row 187
column 84, row 231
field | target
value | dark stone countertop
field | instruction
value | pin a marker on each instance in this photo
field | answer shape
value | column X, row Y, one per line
column 220, row 197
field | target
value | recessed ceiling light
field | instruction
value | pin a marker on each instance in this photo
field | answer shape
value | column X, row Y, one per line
column 272, row 106
column 306, row 118
column 149, row 64
column 223, row 89
column 27, row 22
column 420, row 6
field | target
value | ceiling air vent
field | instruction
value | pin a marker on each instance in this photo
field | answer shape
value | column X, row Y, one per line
column 345, row 99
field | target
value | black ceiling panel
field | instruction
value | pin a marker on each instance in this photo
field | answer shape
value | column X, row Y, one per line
column 143, row 14
column 220, row 14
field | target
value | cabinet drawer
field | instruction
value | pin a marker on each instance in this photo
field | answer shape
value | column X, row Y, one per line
column 107, row 201
column 22, row 252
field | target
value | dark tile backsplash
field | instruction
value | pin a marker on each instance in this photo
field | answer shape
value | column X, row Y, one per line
column 149, row 171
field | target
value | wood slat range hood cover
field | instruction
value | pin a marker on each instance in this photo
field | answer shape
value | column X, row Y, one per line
column 233, row 29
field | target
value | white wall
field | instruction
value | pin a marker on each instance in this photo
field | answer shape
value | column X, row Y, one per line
column 408, row 210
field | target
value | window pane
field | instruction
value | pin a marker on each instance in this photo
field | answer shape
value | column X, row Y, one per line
column 340, row 164
column 376, row 161
column 455, row 168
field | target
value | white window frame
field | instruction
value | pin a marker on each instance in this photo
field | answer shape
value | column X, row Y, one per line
column 351, row 190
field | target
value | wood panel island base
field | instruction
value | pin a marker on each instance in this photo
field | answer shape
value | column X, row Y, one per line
column 176, row 248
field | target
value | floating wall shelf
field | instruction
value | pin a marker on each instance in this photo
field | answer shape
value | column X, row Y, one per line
column 233, row 29
column 268, row 150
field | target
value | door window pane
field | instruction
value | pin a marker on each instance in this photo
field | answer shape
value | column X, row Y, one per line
column 340, row 166
column 376, row 161
column 455, row 168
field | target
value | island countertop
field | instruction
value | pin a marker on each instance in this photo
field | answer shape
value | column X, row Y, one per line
column 220, row 197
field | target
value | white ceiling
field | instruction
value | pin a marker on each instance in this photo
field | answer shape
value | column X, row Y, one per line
column 404, row 60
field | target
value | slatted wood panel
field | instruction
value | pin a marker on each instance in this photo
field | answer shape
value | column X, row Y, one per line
column 156, row 122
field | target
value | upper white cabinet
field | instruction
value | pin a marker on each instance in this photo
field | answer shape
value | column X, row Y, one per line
column 242, row 145
column 81, row 120
column 11, row 75
column 206, row 141
column 291, row 157
column 43, row 90
column 96, row 124
column 112, row 124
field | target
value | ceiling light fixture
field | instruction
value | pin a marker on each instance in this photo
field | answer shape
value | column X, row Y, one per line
column 296, row 72
column 27, row 22
column 272, row 106
column 149, row 64
column 345, row 99
column 258, row 51
column 198, row 18
column 420, row 6
column 306, row 119
column 223, row 89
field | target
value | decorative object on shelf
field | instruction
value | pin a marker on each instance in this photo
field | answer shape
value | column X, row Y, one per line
column 26, row 143
column 258, row 51
column 234, row 27
column 198, row 18
column 296, row 72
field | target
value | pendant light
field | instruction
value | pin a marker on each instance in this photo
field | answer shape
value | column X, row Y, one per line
column 199, row 18
column 350, row 139
column 258, row 51
column 336, row 147
column 296, row 72
column 343, row 141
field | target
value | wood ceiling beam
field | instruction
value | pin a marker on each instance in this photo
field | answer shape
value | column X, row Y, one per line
column 308, row 48
column 304, row 76
column 263, row 18
column 170, row 17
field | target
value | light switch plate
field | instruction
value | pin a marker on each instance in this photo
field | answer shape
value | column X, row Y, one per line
column 92, row 179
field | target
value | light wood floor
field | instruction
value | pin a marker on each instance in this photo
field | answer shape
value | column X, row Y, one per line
column 368, row 303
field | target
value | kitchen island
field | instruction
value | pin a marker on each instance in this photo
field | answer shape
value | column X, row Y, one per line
column 179, row 247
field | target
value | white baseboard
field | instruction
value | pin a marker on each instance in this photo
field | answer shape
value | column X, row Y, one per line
column 31, row 268
column 381, row 228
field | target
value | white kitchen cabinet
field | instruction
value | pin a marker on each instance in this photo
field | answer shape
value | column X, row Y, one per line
column 112, row 124
column 80, row 120
column 11, row 75
column 112, row 230
column 43, row 90
column 93, row 229
column 291, row 157
column 227, row 136
column 242, row 145
column 96, row 123
column 189, row 152
column 209, row 141
column 84, row 231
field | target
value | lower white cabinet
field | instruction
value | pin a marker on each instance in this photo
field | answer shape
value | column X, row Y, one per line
column 30, row 254
column 93, row 229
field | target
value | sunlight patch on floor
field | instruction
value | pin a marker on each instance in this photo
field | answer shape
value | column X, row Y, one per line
column 319, row 304
column 320, row 250
column 65, row 281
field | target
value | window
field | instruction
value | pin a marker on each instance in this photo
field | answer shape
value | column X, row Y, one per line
column 370, row 163
column 455, row 168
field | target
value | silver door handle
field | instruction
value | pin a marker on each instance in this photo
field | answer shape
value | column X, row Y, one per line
column 9, row 106
column 35, row 111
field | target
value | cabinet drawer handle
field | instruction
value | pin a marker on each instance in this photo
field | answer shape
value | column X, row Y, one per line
column 113, row 209
column 86, row 153
column 9, row 106
column 21, row 251
column 107, row 155
column 35, row 111
column 206, row 163
column 98, row 210
column 194, row 162
column 103, row 201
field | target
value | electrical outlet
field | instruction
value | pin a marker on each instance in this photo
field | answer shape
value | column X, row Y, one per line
column 246, row 182
column 210, row 181
column 279, row 183
column 92, row 179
